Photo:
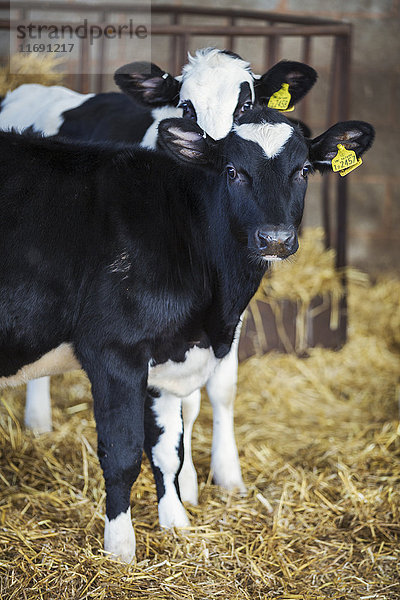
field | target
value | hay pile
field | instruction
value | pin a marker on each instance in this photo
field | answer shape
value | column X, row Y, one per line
column 294, row 296
column 30, row 68
column 319, row 443
column 309, row 273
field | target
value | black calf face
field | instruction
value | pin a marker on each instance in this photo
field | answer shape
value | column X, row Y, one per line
column 266, row 181
column 263, row 165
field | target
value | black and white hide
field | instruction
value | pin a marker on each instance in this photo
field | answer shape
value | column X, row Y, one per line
column 216, row 88
column 136, row 265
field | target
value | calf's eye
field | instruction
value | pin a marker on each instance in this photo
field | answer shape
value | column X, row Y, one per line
column 188, row 110
column 247, row 106
column 305, row 171
column 232, row 174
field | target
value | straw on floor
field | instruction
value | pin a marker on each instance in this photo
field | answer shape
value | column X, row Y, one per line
column 30, row 68
column 319, row 443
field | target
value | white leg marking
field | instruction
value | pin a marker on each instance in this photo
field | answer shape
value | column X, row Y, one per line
column 167, row 410
column 221, row 389
column 171, row 512
column 188, row 476
column 119, row 537
column 38, row 405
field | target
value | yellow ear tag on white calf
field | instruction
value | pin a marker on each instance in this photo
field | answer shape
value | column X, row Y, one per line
column 345, row 161
column 281, row 99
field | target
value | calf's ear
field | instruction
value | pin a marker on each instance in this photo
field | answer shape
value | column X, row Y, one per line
column 147, row 84
column 299, row 76
column 353, row 135
column 186, row 142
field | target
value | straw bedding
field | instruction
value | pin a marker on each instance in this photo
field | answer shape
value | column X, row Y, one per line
column 30, row 68
column 319, row 444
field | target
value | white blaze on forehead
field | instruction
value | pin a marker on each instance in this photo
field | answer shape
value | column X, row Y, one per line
column 270, row 136
column 211, row 81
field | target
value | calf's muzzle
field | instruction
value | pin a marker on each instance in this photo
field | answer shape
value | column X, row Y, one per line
column 275, row 241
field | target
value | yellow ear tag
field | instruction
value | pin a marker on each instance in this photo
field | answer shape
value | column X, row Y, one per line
column 345, row 161
column 281, row 98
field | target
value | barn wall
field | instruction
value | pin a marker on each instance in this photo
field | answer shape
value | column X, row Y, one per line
column 374, row 212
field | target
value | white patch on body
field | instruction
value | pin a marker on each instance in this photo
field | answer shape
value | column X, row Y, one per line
column 211, row 80
column 38, row 405
column 221, row 389
column 270, row 136
column 183, row 378
column 188, row 477
column 164, row 112
column 119, row 537
column 57, row 361
column 38, row 106
column 167, row 411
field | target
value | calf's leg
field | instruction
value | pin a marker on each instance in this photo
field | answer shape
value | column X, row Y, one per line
column 221, row 389
column 119, row 399
column 164, row 447
column 188, row 476
column 38, row 405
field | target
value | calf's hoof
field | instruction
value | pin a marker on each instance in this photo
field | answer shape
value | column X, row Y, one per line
column 172, row 514
column 119, row 537
column 188, row 486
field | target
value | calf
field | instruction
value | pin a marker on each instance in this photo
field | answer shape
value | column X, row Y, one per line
column 137, row 266
column 215, row 89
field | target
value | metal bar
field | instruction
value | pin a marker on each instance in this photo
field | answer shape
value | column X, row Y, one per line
column 174, row 46
column 99, row 79
column 326, row 213
column 343, row 114
column 306, row 57
column 273, row 44
column 85, row 70
column 220, row 30
column 231, row 38
column 183, row 53
column 335, row 83
column 179, row 59
column 330, row 118
column 249, row 30
column 174, row 9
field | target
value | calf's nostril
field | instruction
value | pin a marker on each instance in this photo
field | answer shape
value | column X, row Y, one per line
column 263, row 239
column 290, row 240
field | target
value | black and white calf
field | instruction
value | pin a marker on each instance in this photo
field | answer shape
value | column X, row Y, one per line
column 215, row 89
column 137, row 266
